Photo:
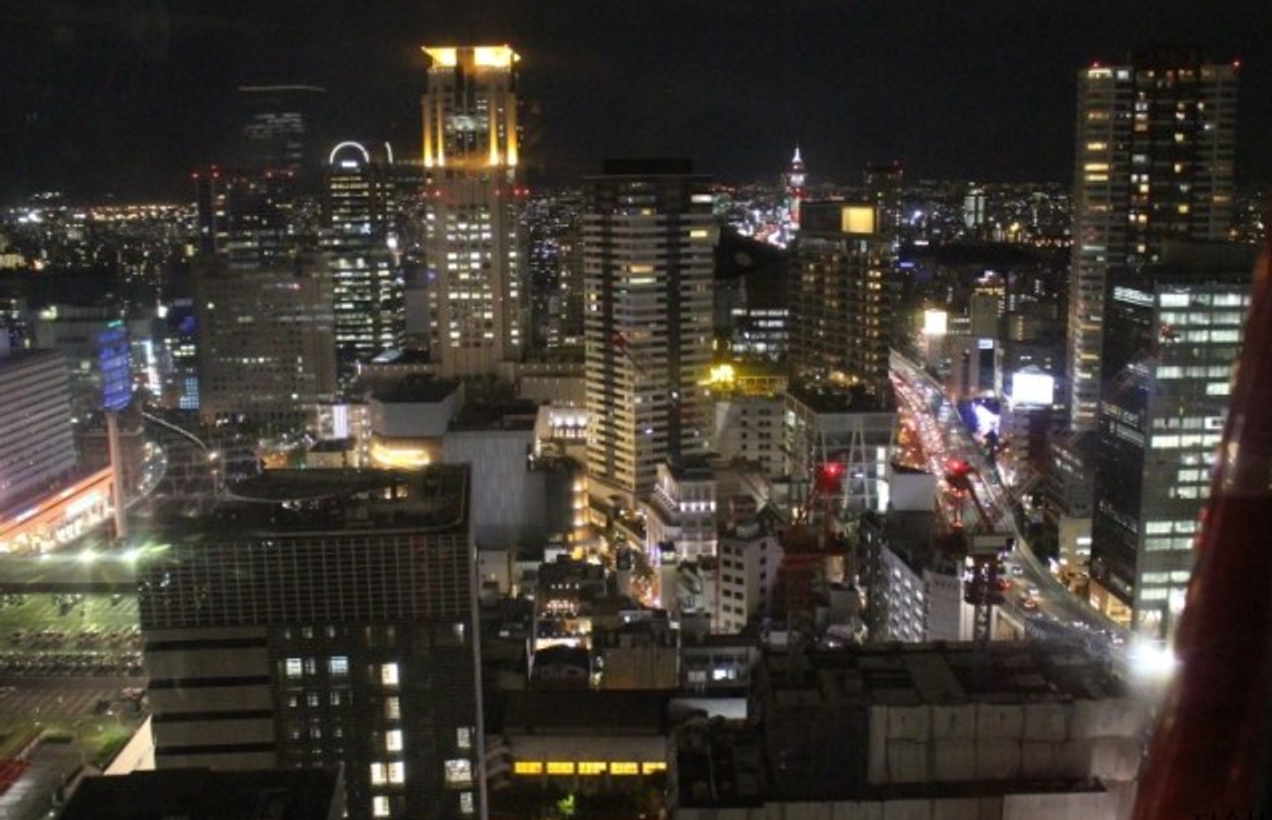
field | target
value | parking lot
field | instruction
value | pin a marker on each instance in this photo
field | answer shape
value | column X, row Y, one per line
column 71, row 667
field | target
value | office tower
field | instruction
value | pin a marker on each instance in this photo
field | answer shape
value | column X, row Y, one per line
column 266, row 338
column 246, row 216
column 328, row 618
column 882, row 182
column 279, row 124
column 647, row 268
column 1154, row 161
column 554, row 270
column 842, row 298
column 472, row 275
column 1173, row 335
column 359, row 202
column 37, row 450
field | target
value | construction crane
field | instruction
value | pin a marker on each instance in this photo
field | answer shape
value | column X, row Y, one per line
column 982, row 547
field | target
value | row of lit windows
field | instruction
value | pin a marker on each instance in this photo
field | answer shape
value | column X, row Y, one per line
column 586, row 767
column 1176, row 442
column 337, row 666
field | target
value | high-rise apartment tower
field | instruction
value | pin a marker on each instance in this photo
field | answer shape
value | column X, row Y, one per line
column 1154, row 161
column 647, row 271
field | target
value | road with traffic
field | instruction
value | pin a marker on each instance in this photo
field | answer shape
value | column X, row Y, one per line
column 1035, row 598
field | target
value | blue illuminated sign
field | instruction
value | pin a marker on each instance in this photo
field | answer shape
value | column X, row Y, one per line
column 112, row 357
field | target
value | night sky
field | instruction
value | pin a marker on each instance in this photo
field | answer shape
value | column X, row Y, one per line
column 127, row 96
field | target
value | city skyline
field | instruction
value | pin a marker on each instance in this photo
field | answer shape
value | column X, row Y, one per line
column 130, row 99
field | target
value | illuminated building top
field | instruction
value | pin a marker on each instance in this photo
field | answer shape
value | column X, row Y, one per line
column 470, row 107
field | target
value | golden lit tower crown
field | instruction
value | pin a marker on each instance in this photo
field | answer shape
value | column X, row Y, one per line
column 470, row 107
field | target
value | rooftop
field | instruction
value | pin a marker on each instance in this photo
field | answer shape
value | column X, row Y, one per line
column 944, row 674
column 587, row 712
column 202, row 794
column 342, row 499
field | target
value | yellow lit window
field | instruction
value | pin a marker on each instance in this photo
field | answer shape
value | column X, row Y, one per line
column 650, row 768
column 527, row 767
column 623, row 768
column 591, row 767
column 560, row 767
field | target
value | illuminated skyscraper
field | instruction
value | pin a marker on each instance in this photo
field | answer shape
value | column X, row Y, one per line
column 474, row 294
column 842, row 298
column 647, row 318
column 1174, row 333
column 359, row 201
column 1154, row 161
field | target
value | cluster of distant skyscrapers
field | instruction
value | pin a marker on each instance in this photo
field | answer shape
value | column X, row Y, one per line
column 422, row 261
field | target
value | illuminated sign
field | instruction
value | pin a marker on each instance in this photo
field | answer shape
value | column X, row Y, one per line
column 1033, row 387
column 483, row 56
column 112, row 358
column 858, row 219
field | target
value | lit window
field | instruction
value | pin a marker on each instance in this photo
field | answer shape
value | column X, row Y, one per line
column 380, row 806
column 591, row 767
column 338, row 665
column 389, row 674
column 650, row 768
column 393, row 708
column 377, row 774
column 466, row 802
column 393, row 740
column 294, row 668
column 464, row 738
column 527, row 767
column 560, row 767
column 397, row 772
column 624, row 768
column 459, row 771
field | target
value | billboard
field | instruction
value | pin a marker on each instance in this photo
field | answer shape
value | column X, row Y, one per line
column 935, row 322
column 1033, row 387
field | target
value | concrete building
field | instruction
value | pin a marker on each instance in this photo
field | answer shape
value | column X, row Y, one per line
column 210, row 795
column 643, row 654
column 848, row 428
column 37, row 450
column 325, row 618
column 519, row 498
column 647, row 264
column 409, row 418
column 750, row 554
column 266, row 339
column 1012, row 731
column 681, row 512
column 915, row 582
column 583, row 741
column 749, row 428
column 1156, row 145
